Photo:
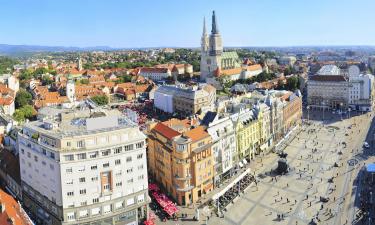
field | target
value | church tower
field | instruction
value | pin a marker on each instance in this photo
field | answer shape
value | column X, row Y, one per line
column 70, row 89
column 211, row 57
column 79, row 66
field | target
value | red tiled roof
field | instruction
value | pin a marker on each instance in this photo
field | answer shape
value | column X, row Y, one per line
column 12, row 211
column 165, row 131
column 197, row 133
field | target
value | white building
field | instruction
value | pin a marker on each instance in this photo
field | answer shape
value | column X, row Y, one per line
column 10, row 81
column 155, row 74
column 223, row 145
column 361, row 89
column 80, row 166
column 287, row 60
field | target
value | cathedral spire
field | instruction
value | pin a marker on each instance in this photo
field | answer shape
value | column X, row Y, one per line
column 215, row 28
column 204, row 27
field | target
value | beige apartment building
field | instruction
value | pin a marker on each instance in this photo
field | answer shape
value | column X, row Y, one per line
column 181, row 160
column 185, row 100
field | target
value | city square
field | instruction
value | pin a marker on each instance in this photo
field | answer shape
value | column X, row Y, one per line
column 295, row 197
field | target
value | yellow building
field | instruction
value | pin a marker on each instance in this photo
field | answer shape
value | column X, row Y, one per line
column 181, row 159
column 248, row 134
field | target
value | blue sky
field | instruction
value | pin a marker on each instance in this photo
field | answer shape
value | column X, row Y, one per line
column 153, row 23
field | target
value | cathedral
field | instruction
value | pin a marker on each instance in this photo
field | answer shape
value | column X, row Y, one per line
column 216, row 63
column 213, row 58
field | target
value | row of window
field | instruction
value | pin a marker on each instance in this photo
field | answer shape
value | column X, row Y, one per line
column 107, row 152
column 106, row 187
column 71, row 216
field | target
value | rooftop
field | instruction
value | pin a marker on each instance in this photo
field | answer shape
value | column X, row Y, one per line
column 60, row 122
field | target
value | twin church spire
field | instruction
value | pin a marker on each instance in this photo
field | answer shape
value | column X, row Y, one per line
column 214, row 26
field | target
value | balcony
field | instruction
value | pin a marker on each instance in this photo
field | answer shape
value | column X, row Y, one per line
column 188, row 177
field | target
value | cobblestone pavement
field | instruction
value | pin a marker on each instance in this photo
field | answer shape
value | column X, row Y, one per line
column 295, row 197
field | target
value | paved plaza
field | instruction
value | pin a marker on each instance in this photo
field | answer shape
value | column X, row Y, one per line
column 323, row 160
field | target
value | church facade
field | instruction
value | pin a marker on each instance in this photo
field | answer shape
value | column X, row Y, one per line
column 217, row 63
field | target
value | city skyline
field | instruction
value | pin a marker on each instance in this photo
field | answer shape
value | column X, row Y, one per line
column 120, row 25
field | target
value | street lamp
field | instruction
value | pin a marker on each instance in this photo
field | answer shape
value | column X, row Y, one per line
column 341, row 111
column 323, row 103
column 349, row 109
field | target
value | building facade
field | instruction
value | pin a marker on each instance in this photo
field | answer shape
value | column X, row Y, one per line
column 224, row 146
column 84, row 167
column 181, row 160
column 185, row 100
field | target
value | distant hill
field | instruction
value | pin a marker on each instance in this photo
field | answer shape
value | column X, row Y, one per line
column 19, row 49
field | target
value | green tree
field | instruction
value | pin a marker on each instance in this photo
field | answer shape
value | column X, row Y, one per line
column 100, row 99
column 292, row 83
column 26, row 112
column 23, row 98
column 26, row 75
column 84, row 81
column 6, row 64
column 46, row 80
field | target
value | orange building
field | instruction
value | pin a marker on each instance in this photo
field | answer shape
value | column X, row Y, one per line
column 181, row 159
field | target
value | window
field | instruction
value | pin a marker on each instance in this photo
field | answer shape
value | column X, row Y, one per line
column 94, row 178
column 69, row 170
column 118, row 205
column 140, row 156
column 118, row 150
column 129, row 170
column 130, row 201
column 93, row 155
column 139, row 145
column 95, row 200
column 140, row 167
column 119, row 173
column 70, row 193
column 69, row 157
column 107, row 208
column 22, row 151
column 118, row 184
column 52, row 167
column 130, row 180
column 81, row 156
column 94, row 167
column 106, row 152
column 82, row 191
column 105, row 165
column 82, row 179
column 44, row 151
column 70, row 216
column 81, row 168
column 29, row 155
column 69, row 182
column 107, row 187
column 128, row 147
column 52, row 155
column 80, row 144
column 68, row 144
column 117, row 162
column 128, row 159
column 83, row 213
column 44, row 163
column 36, row 158
column 141, row 177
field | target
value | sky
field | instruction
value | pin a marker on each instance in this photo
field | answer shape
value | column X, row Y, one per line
column 178, row 23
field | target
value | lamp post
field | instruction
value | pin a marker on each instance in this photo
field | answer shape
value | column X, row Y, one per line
column 323, row 103
column 341, row 111
column 349, row 109
column 308, row 113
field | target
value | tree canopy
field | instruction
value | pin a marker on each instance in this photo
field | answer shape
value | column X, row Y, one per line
column 21, row 114
column 100, row 99
column 23, row 98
